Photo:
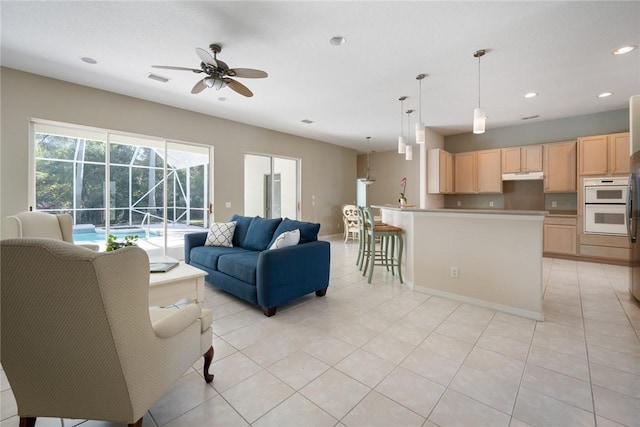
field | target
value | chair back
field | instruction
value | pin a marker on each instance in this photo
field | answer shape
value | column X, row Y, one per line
column 350, row 216
column 40, row 224
column 368, row 219
column 72, row 323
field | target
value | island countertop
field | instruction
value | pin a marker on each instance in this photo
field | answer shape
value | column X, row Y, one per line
column 464, row 211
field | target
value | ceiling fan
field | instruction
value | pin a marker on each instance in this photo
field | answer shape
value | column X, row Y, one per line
column 218, row 73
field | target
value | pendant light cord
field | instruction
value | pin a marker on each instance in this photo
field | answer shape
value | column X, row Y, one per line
column 479, row 56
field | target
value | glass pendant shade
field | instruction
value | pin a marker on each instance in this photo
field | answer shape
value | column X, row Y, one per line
column 420, row 137
column 402, row 145
column 479, row 119
column 408, row 155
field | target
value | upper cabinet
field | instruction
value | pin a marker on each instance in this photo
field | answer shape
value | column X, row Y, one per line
column 478, row 172
column 439, row 172
column 522, row 159
column 559, row 160
column 604, row 154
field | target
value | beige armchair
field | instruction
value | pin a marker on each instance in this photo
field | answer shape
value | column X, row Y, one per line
column 42, row 224
column 78, row 338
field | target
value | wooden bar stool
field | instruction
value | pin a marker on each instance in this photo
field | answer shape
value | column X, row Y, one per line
column 390, row 238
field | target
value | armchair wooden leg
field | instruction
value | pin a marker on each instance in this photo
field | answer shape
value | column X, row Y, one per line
column 27, row 421
column 208, row 357
column 137, row 423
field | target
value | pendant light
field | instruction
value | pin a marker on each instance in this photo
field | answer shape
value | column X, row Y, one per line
column 420, row 137
column 408, row 155
column 479, row 116
column 368, row 179
column 402, row 142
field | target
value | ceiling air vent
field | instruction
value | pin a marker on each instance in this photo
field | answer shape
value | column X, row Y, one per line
column 307, row 121
column 531, row 117
column 158, row 78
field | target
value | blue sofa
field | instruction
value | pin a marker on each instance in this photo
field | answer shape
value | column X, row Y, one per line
column 267, row 278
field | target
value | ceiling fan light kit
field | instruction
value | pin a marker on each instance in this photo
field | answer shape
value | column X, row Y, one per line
column 420, row 133
column 218, row 73
column 479, row 115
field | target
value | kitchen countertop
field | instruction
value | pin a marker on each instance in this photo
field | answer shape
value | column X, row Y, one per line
column 567, row 214
column 465, row 211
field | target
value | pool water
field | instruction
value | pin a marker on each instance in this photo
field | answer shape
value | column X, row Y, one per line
column 120, row 234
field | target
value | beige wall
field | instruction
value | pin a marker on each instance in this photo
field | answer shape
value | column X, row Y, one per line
column 328, row 171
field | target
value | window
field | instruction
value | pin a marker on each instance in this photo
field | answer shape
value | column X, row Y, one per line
column 122, row 184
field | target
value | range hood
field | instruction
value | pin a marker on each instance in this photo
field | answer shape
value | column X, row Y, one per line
column 522, row 176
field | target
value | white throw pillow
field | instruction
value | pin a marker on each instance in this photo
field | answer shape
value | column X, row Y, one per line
column 221, row 234
column 288, row 238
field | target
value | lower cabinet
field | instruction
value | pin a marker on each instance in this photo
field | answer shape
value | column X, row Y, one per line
column 560, row 235
column 602, row 246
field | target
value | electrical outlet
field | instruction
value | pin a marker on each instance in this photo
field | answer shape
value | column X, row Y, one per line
column 458, row 203
column 554, row 204
column 227, row 205
column 453, row 272
column 491, row 204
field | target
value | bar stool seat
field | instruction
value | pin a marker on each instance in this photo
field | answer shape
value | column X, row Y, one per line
column 390, row 238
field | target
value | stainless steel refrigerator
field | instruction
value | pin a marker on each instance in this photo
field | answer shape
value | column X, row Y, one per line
column 633, row 196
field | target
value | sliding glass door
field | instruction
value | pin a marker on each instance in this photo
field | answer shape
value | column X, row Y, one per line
column 271, row 186
column 148, row 187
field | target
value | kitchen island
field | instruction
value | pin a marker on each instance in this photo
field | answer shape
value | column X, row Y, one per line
column 491, row 258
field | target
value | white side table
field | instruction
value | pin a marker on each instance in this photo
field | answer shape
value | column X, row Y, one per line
column 183, row 281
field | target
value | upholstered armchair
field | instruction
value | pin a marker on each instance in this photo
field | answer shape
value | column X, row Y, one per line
column 78, row 338
column 42, row 224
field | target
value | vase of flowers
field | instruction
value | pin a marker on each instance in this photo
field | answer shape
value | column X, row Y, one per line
column 403, row 198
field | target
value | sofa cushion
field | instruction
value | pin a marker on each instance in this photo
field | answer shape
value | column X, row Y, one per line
column 242, row 226
column 288, row 238
column 208, row 255
column 220, row 234
column 241, row 266
column 260, row 233
column 308, row 230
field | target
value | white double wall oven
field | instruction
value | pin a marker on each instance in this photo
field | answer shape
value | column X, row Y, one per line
column 604, row 209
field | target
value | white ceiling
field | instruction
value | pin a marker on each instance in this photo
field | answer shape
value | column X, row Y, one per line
column 563, row 50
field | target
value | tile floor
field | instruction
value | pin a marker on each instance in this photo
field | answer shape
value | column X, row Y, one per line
column 381, row 355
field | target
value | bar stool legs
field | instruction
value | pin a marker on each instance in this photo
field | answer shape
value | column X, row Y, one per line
column 388, row 235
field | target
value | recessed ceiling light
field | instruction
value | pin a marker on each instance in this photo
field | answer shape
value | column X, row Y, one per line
column 89, row 60
column 158, row 78
column 530, row 94
column 623, row 50
column 605, row 94
column 337, row 40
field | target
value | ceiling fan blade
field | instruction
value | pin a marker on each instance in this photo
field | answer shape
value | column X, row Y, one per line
column 199, row 86
column 206, row 57
column 238, row 87
column 169, row 67
column 247, row 73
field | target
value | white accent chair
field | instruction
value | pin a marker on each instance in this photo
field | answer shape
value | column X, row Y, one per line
column 42, row 224
column 79, row 340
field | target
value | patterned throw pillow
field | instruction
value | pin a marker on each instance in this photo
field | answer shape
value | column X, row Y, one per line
column 288, row 238
column 221, row 234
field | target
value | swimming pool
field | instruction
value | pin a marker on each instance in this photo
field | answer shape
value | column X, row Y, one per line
column 101, row 237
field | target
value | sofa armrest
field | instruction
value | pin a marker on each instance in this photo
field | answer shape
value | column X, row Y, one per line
column 191, row 240
column 292, row 271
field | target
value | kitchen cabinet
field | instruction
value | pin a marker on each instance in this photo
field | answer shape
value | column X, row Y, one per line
column 522, row 159
column 559, row 235
column 478, row 172
column 559, row 166
column 601, row 246
column 439, row 172
column 604, row 154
